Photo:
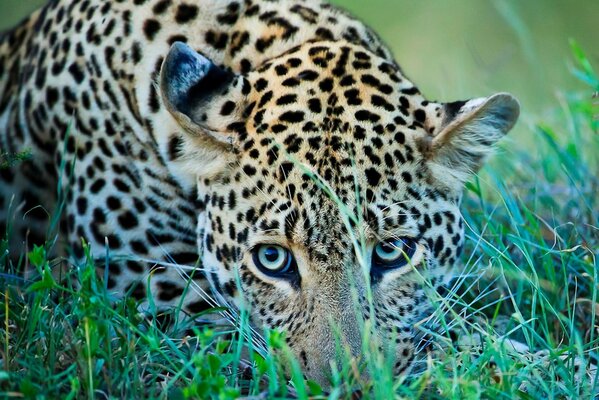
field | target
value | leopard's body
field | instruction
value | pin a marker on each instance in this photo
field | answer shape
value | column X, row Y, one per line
column 303, row 110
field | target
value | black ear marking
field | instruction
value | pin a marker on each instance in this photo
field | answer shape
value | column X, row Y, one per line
column 452, row 110
column 188, row 78
column 195, row 92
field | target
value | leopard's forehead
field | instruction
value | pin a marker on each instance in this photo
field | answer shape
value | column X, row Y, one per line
column 334, row 106
column 334, row 86
column 333, row 126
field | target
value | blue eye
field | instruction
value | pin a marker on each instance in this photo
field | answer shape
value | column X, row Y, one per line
column 273, row 260
column 392, row 254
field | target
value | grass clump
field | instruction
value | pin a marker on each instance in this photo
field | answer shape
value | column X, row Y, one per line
column 531, row 277
column 8, row 160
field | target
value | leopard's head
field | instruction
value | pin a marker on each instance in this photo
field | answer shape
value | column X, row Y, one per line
column 330, row 191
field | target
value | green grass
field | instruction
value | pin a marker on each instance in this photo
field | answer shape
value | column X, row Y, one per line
column 7, row 160
column 530, row 274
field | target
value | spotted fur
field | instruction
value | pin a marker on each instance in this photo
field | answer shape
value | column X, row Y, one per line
column 305, row 134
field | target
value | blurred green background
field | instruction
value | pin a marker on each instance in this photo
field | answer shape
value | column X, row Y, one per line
column 467, row 48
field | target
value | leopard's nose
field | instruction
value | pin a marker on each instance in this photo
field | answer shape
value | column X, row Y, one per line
column 335, row 340
column 331, row 354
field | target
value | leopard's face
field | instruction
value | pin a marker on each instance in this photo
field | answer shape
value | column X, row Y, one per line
column 331, row 185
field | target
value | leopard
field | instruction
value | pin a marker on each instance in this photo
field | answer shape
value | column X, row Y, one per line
column 268, row 154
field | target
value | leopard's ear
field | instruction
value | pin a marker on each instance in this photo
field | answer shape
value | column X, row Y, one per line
column 203, row 97
column 468, row 133
column 207, row 103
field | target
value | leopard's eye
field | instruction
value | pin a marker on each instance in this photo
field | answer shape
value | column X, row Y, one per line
column 272, row 259
column 392, row 254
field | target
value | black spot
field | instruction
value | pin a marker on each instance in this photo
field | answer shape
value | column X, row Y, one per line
column 227, row 108
column 128, row 220
column 439, row 244
column 286, row 169
column 365, row 115
column 264, row 43
column 154, row 101
column 99, row 216
column 307, row 75
column 324, row 34
column 373, row 176
column 290, row 82
column 377, row 142
column 294, row 62
column 177, row 38
column 184, row 258
column 410, row 91
column 326, row 85
column 162, row 6
column 261, row 84
column 230, row 289
column 292, row 116
column 277, row 128
column 249, row 170
column 51, row 96
column 159, row 238
column 218, row 40
column 420, row 115
column 246, row 87
column 121, row 186
column 174, row 145
column 97, row 185
column 353, row 97
column 347, row 80
column 151, row 28
column 400, row 138
column 281, row 70
column 81, row 205
column 359, row 133
column 286, row 99
column 186, row 13
column 231, row 16
column 265, row 98
column 314, row 105
column 76, row 72
column 113, row 203
column 378, row 101
column 232, row 201
column 139, row 205
column 245, row 65
column 138, row 247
